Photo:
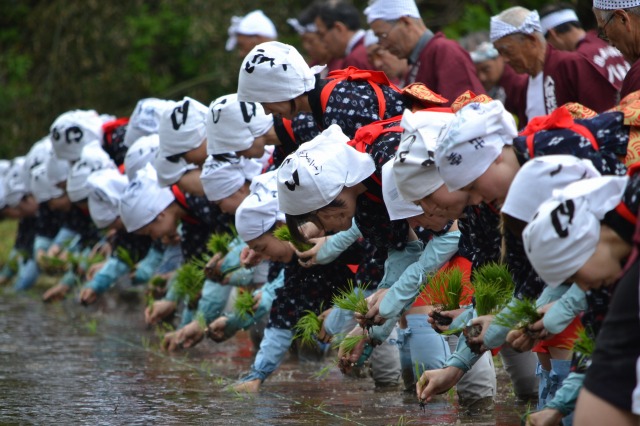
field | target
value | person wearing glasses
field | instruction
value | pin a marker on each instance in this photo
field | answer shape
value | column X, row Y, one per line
column 618, row 23
column 441, row 64
column 555, row 77
column 562, row 29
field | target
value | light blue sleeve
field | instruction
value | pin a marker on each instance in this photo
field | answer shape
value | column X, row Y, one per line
column 338, row 243
column 496, row 335
column 561, row 313
column 147, row 266
column 41, row 243
column 398, row 261
column 404, row 291
column 232, row 259
column 213, row 299
column 462, row 357
column 64, row 237
column 565, row 397
column 236, row 323
column 171, row 292
column 106, row 277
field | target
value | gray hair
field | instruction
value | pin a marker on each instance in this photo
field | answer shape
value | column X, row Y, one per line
column 516, row 16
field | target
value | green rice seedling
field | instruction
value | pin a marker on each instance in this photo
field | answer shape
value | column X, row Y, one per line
column 244, row 304
column 284, row 234
column 52, row 265
column 349, row 343
column 219, row 243
column 95, row 259
column 444, row 290
column 201, row 320
column 521, row 314
column 124, row 255
column 307, row 328
column 189, row 282
column 324, row 371
column 583, row 347
column 158, row 281
column 351, row 299
column 92, row 326
column 493, row 288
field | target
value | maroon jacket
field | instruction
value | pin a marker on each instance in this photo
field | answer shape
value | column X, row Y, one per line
column 357, row 57
column 631, row 82
column 570, row 77
column 446, row 68
column 512, row 92
column 606, row 58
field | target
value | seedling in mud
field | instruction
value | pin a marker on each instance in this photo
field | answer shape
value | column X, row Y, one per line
column 284, row 234
column 124, row 255
column 402, row 421
column 201, row 320
column 189, row 282
column 92, row 326
column 444, row 290
column 244, row 304
column 351, row 299
column 158, row 281
column 307, row 328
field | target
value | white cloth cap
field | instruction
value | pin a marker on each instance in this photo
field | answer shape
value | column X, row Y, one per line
column 39, row 153
column 15, row 185
column 169, row 172
column 233, row 126
column 314, row 175
column 397, row 207
column 501, row 29
column 483, row 52
column 140, row 153
column 565, row 231
column 254, row 23
column 42, row 188
column 92, row 158
column 275, row 72
column 302, row 29
column 615, row 4
column 145, row 119
column 222, row 178
column 182, row 127
column 143, row 200
column 390, row 10
column 259, row 211
column 3, row 199
column 105, row 189
column 370, row 38
column 4, row 166
column 559, row 17
column 538, row 178
column 414, row 170
column 472, row 141
column 73, row 130
column 57, row 169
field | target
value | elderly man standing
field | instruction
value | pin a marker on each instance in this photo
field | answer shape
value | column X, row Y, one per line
column 619, row 24
column 555, row 77
column 442, row 64
column 563, row 30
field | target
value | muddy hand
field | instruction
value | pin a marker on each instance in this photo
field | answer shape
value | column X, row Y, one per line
column 216, row 329
column 434, row 382
column 212, row 268
column 88, row 296
column 484, row 322
column 323, row 336
column 545, row 417
column 160, row 310
column 171, row 342
column 373, row 315
column 447, row 314
column 308, row 258
column 55, row 293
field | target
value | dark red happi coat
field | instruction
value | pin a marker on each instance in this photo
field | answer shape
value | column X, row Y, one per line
column 446, row 68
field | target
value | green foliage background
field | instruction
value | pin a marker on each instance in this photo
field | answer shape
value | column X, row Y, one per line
column 58, row 55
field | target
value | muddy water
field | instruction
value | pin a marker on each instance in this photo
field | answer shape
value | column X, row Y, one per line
column 65, row 364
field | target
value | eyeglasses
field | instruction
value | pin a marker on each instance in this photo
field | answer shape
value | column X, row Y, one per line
column 384, row 35
column 602, row 35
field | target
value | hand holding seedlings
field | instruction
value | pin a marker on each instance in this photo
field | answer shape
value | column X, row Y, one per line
column 212, row 268
column 88, row 296
column 434, row 382
column 249, row 258
column 160, row 310
column 478, row 328
column 322, row 334
column 55, row 293
column 215, row 331
column 351, row 348
column 545, row 417
column 188, row 336
column 437, row 326
column 307, row 258
column 372, row 317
